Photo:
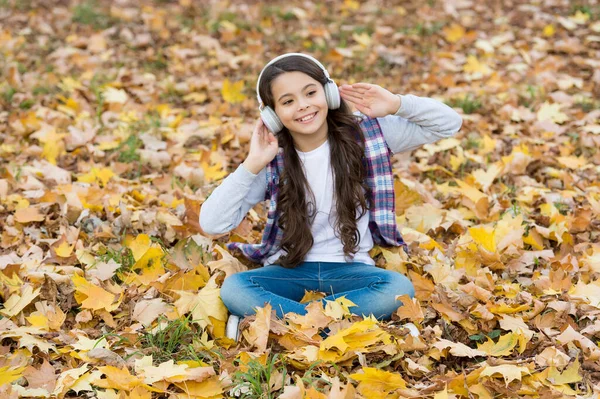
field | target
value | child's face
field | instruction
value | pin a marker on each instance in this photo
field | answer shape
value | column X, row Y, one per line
column 300, row 104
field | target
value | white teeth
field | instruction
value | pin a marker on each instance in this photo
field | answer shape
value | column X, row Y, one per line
column 308, row 117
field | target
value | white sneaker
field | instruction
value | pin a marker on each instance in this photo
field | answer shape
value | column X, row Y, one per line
column 232, row 330
column 414, row 331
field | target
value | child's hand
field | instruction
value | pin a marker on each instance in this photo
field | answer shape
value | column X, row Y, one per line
column 263, row 148
column 372, row 100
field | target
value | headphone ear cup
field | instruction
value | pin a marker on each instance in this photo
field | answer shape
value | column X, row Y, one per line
column 332, row 95
column 271, row 120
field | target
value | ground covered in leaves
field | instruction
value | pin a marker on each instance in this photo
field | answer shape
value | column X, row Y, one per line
column 118, row 119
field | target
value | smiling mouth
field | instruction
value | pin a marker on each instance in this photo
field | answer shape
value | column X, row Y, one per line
column 307, row 118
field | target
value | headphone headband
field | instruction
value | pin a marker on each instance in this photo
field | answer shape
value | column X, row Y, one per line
column 284, row 56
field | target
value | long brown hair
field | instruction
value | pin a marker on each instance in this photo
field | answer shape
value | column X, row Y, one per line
column 347, row 146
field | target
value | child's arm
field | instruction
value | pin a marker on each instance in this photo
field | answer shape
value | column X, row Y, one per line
column 407, row 121
column 225, row 208
column 229, row 203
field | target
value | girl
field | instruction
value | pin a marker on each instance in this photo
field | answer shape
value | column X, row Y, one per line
column 327, row 175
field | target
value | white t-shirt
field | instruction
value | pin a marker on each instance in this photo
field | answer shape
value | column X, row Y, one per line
column 327, row 247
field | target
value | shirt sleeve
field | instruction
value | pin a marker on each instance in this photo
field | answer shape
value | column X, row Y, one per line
column 229, row 203
column 420, row 120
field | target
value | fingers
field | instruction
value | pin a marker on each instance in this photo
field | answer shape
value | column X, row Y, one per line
column 357, row 88
column 362, row 86
column 364, row 110
column 352, row 97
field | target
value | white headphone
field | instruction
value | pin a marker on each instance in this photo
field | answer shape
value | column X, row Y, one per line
column 268, row 115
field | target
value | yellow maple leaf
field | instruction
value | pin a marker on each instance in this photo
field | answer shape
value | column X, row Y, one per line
column 454, row 33
column 139, row 246
column 112, row 95
column 351, row 5
column 150, row 266
column 580, row 17
column 18, row 301
column 509, row 372
column 549, row 30
column 486, row 178
column 551, row 112
column 374, row 383
column 569, row 376
column 91, row 296
column 441, row 394
column 206, row 305
column 360, row 336
column 503, row 347
column 572, row 162
column 232, row 92
column 338, row 308
column 509, row 232
column 410, row 309
column 257, row 334
column 424, row 218
column 118, row 378
column 363, row 39
column 168, row 371
column 64, row 250
column 8, row 375
column 483, row 236
column 394, row 261
column 212, row 387
column 53, row 146
column 102, row 176
column 476, row 67
column 457, row 348
column 28, row 215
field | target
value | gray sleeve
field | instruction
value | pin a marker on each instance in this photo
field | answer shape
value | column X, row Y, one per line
column 420, row 120
column 229, row 203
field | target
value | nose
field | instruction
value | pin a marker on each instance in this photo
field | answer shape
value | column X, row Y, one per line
column 302, row 104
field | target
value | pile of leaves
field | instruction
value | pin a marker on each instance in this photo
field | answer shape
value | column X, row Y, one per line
column 118, row 119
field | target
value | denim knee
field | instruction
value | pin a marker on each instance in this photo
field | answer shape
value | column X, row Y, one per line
column 231, row 291
column 394, row 285
column 400, row 284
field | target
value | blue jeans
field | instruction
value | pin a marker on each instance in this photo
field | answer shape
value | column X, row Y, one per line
column 372, row 289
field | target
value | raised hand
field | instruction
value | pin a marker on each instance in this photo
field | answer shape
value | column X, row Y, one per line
column 263, row 148
column 372, row 100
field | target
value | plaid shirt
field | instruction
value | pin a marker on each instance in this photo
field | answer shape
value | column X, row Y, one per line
column 382, row 215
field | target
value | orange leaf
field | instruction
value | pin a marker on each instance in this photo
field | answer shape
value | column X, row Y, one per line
column 28, row 215
column 410, row 309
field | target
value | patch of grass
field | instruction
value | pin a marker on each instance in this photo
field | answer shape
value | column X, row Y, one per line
column 428, row 29
column 98, row 80
column 469, row 104
column 562, row 208
column 8, row 94
column 89, row 13
column 534, row 93
column 40, row 90
column 481, row 336
column 156, row 64
column 26, row 104
column 128, row 149
column 593, row 12
column 23, row 5
column 257, row 380
column 587, row 105
column 173, row 339
column 473, row 141
column 123, row 257
column 186, row 21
